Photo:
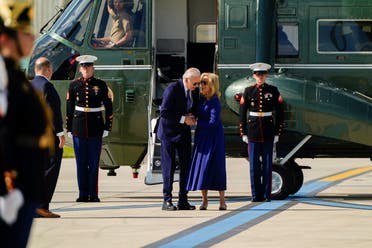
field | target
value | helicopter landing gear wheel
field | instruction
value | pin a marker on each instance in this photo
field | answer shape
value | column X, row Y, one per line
column 111, row 173
column 280, row 182
column 295, row 172
column 286, row 180
column 287, row 176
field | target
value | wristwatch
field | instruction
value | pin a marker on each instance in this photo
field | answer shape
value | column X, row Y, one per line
column 113, row 44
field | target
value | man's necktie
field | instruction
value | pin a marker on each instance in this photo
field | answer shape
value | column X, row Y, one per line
column 189, row 100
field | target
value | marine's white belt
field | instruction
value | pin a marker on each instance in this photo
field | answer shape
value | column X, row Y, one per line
column 260, row 114
column 88, row 109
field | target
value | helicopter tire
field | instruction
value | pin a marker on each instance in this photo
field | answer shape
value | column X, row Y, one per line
column 281, row 182
column 111, row 173
column 297, row 177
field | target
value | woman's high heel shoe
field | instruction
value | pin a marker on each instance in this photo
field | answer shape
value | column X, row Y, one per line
column 203, row 207
column 223, row 207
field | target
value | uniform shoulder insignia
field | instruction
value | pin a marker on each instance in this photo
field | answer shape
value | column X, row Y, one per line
column 280, row 99
column 242, row 100
column 110, row 94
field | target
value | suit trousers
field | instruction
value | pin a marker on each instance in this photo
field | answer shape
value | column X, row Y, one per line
column 169, row 150
column 51, row 174
column 260, row 160
column 87, row 154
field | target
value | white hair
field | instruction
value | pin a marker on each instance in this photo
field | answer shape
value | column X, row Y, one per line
column 191, row 72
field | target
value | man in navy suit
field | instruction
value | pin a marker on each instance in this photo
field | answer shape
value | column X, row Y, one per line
column 43, row 73
column 177, row 114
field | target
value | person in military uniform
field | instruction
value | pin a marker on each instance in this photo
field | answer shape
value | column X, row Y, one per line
column 262, row 130
column 12, row 200
column 86, row 98
column 25, row 129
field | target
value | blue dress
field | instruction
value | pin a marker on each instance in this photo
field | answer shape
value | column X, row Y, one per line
column 208, row 166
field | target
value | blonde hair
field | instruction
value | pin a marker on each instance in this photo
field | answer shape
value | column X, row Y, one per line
column 213, row 83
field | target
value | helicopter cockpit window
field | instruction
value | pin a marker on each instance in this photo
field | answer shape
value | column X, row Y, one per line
column 287, row 40
column 345, row 36
column 120, row 24
column 73, row 25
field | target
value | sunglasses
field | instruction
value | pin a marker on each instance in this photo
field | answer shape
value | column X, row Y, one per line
column 193, row 84
column 204, row 82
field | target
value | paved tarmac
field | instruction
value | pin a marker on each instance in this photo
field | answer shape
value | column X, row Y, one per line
column 332, row 209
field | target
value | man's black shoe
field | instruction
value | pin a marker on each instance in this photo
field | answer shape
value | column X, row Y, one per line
column 94, row 199
column 168, row 206
column 268, row 200
column 185, row 206
column 82, row 199
column 256, row 200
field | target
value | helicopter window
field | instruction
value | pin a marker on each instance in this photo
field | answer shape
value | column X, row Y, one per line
column 120, row 24
column 349, row 36
column 72, row 26
column 206, row 33
column 61, row 56
column 287, row 40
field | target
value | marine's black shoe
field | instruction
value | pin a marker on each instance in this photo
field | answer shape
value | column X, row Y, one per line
column 94, row 199
column 82, row 199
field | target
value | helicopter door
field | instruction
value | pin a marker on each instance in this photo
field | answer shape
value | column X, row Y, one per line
column 237, row 36
column 183, row 36
column 201, row 45
column 169, row 41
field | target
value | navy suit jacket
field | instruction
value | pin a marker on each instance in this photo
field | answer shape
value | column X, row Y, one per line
column 173, row 107
column 52, row 98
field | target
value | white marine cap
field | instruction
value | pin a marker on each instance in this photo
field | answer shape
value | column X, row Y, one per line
column 256, row 67
column 86, row 59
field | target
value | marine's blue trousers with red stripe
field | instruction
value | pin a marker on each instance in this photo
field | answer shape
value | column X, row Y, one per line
column 260, row 160
column 87, row 154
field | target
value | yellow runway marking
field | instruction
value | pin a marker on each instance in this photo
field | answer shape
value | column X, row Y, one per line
column 346, row 174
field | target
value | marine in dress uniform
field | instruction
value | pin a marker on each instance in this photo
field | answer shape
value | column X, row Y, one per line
column 260, row 130
column 86, row 99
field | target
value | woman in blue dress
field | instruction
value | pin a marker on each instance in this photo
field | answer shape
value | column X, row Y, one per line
column 208, row 166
